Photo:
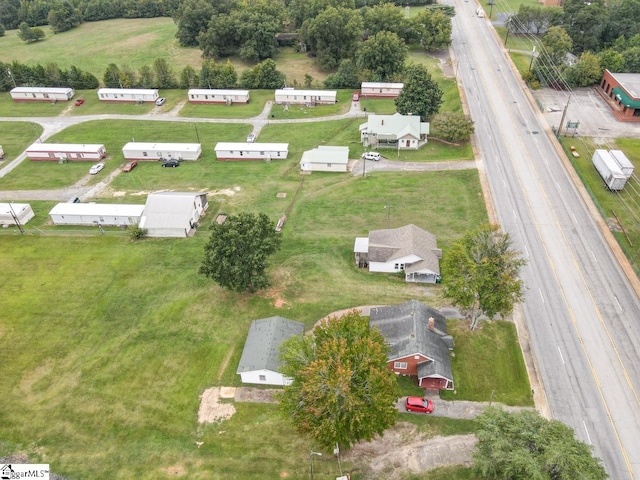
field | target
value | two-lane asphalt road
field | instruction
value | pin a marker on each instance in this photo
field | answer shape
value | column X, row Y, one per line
column 581, row 311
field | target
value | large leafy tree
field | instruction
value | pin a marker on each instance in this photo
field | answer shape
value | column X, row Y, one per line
column 29, row 34
column 189, row 78
column 333, row 35
column 420, row 95
column 524, row 446
column 347, row 76
column 481, row 273
column 192, row 18
column 453, row 127
column 585, row 72
column 386, row 18
column 584, row 22
column 382, row 55
column 63, row 16
column 263, row 75
column 342, row 390
column 611, row 60
column 536, row 18
column 164, row 74
column 218, row 75
column 236, row 254
column 111, row 77
column 432, row 27
column 301, row 10
column 552, row 61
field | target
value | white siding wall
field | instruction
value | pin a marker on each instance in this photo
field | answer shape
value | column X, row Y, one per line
column 390, row 267
column 105, row 220
column 270, row 378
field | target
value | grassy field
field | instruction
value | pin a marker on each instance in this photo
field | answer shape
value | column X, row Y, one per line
column 15, row 137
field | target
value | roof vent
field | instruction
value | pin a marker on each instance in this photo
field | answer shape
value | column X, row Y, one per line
column 432, row 323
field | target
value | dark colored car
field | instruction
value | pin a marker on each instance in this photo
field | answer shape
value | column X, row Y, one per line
column 129, row 166
column 172, row 162
column 419, row 404
column 79, row 102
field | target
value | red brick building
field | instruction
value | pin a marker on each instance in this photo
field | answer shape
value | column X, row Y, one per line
column 622, row 92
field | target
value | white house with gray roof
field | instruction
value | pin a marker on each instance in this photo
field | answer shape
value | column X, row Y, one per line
column 173, row 214
column 325, row 158
column 259, row 362
column 419, row 344
column 407, row 249
column 403, row 132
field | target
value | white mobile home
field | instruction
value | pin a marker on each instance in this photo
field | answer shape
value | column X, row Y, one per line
column 72, row 152
column 306, row 97
column 157, row 151
column 92, row 214
column 173, row 214
column 380, row 89
column 228, row 97
column 42, row 94
column 135, row 95
column 15, row 213
column 251, row 151
column 623, row 162
column 325, row 159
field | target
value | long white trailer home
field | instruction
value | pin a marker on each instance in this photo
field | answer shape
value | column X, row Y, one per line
column 71, row 152
column 135, row 95
column 310, row 97
column 197, row 95
column 14, row 213
column 42, row 94
column 381, row 89
column 104, row 214
column 157, row 151
column 251, row 151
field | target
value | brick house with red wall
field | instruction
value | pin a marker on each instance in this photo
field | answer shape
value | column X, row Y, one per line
column 419, row 345
column 622, row 92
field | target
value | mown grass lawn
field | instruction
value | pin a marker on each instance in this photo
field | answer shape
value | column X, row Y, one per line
column 9, row 108
column 15, row 137
column 258, row 99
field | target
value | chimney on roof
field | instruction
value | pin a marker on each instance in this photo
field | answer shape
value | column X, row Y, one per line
column 432, row 324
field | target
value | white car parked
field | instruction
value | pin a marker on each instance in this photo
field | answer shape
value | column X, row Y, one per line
column 375, row 156
column 95, row 169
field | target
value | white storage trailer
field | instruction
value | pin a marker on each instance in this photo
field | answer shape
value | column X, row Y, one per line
column 42, row 94
column 623, row 162
column 609, row 170
column 306, row 97
column 158, row 151
column 72, row 152
column 135, row 95
column 198, row 95
column 15, row 213
column 88, row 214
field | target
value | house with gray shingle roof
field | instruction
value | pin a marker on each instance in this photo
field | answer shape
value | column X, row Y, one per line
column 259, row 362
column 419, row 345
column 409, row 249
column 403, row 132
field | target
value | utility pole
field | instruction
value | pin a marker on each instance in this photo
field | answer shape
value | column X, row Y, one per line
column 388, row 207
column 16, row 219
column 564, row 113
column 533, row 55
column 490, row 8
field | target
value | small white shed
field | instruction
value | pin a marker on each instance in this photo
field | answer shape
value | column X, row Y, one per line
column 72, row 152
column 157, row 151
column 325, row 159
column 104, row 214
column 259, row 362
column 135, row 95
column 173, row 214
column 198, row 95
column 42, row 94
column 306, row 97
column 251, row 151
column 380, row 89
column 15, row 213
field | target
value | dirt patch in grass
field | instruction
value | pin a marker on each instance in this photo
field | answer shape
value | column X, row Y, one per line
column 175, row 471
column 211, row 410
column 224, row 364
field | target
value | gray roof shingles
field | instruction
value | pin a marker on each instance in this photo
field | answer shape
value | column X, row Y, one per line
column 387, row 245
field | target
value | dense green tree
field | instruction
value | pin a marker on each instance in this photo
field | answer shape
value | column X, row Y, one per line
column 386, row 17
column 631, row 57
column 480, row 273
column 618, row 24
column 111, row 77
column 536, row 18
column 552, row 60
column 9, row 14
column 333, row 35
column 585, row 72
column 263, row 76
column 95, row 10
column 524, row 446
column 218, row 75
column 189, row 78
column 1, row 30
column 342, row 390
column 347, row 76
column 146, row 76
column 585, row 22
column 432, row 28
column 192, row 18
column 611, row 60
column 63, row 16
column 220, row 37
column 29, row 34
column 301, row 10
column 34, row 12
column 127, row 78
column 165, row 76
column 80, row 80
column 420, row 95
column 235, row 257
column 54, row 75
column 453, row 127
column 383, row 55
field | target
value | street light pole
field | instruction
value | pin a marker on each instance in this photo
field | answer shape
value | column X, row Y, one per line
column 533, row 55
column 490, row 8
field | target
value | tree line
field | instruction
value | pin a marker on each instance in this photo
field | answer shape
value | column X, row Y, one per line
column 49, row 75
